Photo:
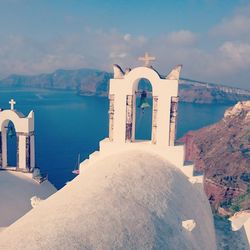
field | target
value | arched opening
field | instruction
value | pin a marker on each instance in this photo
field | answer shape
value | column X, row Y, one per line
column 143, row 110
column 9, row 144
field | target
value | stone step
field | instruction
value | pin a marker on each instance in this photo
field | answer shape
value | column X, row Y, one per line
column 196, row 179
column 83, row 164
column 188, row 170
column 94, row 155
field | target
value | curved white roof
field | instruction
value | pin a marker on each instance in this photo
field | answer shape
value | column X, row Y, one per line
column 134, row 200
column 16, row 189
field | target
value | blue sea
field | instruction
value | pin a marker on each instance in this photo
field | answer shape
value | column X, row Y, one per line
column 67, row 125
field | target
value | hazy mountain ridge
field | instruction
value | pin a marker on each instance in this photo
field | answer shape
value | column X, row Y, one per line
column 95, row 82
column 87, row 81
column 204, row 92
column 222, row 151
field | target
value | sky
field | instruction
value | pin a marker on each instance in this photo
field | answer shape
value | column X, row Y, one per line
column 210, row 38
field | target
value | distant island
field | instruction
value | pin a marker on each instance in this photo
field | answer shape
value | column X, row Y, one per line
column 92, row 82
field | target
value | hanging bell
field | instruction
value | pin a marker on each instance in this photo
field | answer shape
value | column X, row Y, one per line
column 11, row 131
column 143, row 101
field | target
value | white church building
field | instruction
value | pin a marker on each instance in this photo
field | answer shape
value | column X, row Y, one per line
column 18, row 184
column 131, row 194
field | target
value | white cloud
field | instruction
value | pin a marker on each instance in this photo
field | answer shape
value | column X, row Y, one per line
column 93, row 49
column 127, row 37
column 114, row 55
column 237, row 55
column 235, row 27
column 182, row 37
column 239, row 25
column 227, row 61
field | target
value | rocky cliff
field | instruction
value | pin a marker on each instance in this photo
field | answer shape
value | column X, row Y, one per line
column 222, row 152
column 95, row 82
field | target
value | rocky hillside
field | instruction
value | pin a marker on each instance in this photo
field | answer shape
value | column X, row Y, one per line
column 84, row 81
column 95, row 82
column 222, row 151
column 203, row 92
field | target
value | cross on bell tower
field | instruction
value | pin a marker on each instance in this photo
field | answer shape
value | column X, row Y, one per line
column 146, row 59
column 12, row 103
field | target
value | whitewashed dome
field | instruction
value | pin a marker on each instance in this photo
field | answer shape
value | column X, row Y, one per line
column 134, row 200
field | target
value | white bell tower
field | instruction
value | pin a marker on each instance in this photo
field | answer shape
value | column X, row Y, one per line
column 122, row 111
column 122, row 117
column 122, row 97
column 24, row 128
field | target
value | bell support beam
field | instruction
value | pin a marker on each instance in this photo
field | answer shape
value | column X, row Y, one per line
column 17, row 151
column 173, row 120
column 4, row 147
column 129, row 117
column 154, row 121
column 25, row 151
column 32, row 151
column 28, row 153
column 111, row 117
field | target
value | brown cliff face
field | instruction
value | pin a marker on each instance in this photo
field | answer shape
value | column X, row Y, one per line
column 222, row 151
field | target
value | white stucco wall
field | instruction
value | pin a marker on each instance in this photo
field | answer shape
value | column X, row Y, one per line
column 21, row 123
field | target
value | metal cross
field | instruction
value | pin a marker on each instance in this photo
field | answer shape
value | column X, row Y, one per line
column 12, row 103
column 146, row 58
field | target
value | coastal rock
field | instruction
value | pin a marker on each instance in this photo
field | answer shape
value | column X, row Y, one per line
column 240, row 109
column 222, row 152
